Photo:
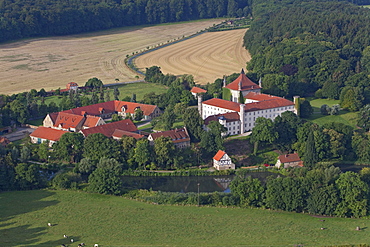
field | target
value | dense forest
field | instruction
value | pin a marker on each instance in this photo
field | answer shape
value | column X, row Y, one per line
column 308, row 48
column 32, row 18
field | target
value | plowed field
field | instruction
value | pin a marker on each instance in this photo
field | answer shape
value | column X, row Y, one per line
column 52, row 62
column 207, row 57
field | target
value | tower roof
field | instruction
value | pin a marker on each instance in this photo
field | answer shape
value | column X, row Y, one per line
column 242, row 83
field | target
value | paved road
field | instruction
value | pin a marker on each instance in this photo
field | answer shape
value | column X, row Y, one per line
column 19, row 134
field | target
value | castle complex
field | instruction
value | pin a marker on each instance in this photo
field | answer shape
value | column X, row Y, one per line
column 244, row 105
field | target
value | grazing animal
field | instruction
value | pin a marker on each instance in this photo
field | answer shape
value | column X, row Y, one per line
column 49, row 224
column 96, row 245
column 71, row 240
column 63, row 245
column 322, row 228
column 65, row 236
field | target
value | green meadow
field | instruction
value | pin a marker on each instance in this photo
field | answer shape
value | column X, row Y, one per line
column 117, row 221
column 345, row 117
column 138, row 88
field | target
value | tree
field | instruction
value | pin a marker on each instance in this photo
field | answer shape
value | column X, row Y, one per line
column 364, row 118
column 249, row 190
column 116, row 117
column 133, row 97
column 97, row 146
column 69, row 147
column 94, row 83
column 142, row 154
column 193, row 123
column 353, row 193
column 164, row 150
column 25, row 154
column 325, row 109
column 306, row 109
column 116, row 93
column 310, row 156
column 139, row 114
column 263, row 131
column 323, row 200
column 43, row 151
column 28, row 177
column 104, row 181
column 68, row 180
column 86, row 166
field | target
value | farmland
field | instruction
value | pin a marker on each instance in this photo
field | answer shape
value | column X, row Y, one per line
column 207, row 57
column 116, row 221
column 51, row 63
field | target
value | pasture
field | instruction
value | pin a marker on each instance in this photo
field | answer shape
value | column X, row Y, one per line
column 116, row 221
column 207, row 56
column 52, row 62
column 139, row 88
column 345, row 117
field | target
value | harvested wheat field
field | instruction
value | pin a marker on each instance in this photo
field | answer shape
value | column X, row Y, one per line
column 52, row 62
column 207, row 57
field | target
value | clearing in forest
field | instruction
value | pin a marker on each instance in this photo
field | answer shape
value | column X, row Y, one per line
column 52, row 62
column 207, row 56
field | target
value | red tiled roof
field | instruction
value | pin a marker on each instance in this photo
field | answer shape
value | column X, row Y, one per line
column 93, row 109
column 198, row 90
column 4, row 141
column 234, row 106
column 267, row 104
column 109, row 128
column 246, row 83
column 72, row 84
column 48, row 133
column 219, row 155
column 274, row 102
column 230, row 117
column 91, row 121
column 66, row 120
column 287, row 158
column 112, row 107
column 131, row 106
column 260, row 96
column 176, row 135
column 120, row 133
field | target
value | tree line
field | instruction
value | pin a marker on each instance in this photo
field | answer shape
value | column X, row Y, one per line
column 22, row 19
column 312, row 48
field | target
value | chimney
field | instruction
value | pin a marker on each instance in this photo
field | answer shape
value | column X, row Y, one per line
column 240, row 85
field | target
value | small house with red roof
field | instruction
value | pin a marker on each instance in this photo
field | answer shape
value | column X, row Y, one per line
column 195, row 91
column 222, row 161
column 71, row 122
column 289, row 160
column 179, row 137
column 43, row 134
column 4, row 141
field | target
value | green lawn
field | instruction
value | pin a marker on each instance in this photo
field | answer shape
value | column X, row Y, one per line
column 345, row 117
column 139, row 88
column 116, row 221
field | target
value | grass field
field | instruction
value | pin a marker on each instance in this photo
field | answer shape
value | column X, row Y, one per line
column 345, row 117
column 207, row 57
column 116, row 221
column 52, row 62
column 139, row 88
